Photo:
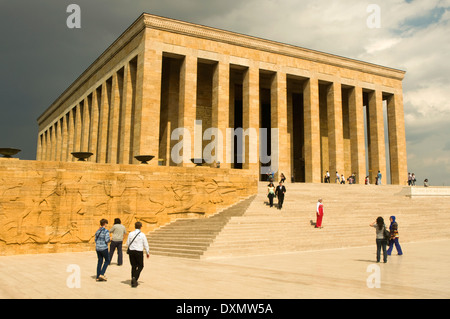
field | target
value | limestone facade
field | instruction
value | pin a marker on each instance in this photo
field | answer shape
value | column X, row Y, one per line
column 161, row 75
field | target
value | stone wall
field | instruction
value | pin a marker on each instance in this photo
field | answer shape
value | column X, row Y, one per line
column 48, row 207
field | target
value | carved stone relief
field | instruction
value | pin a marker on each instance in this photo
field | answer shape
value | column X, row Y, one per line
column 54, row 209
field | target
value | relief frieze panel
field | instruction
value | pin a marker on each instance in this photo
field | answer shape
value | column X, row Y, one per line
column 54, row 210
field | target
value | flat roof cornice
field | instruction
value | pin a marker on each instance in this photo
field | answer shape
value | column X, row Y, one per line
column 209, row 33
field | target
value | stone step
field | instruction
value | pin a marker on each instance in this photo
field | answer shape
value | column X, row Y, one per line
column 261, row 247
column 179, row 246
column 174, row 253
column 182, row 230
column 161, row 243
column 189, row 238
column 250, row 240
column 193, row 227
column 186, row 237
column 253, row 228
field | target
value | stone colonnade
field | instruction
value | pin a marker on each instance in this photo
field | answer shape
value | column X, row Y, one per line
column 102, row 123
column 320, row 118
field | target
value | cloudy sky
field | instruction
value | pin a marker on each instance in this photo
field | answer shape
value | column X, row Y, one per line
column 40, row 56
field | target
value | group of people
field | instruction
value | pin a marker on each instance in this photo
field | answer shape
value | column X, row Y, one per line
column 377, row 179
column 386, row 238
column 339, row 179
column 412, row 180
column 136, row 243
column 277, row 192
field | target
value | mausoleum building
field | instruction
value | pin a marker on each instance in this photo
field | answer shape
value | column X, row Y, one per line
column 180, row 91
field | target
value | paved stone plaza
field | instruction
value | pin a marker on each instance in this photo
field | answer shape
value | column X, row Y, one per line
column 422, row 272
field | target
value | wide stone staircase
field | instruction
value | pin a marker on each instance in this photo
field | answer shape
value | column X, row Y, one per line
column 251, row 227
column 190, row 238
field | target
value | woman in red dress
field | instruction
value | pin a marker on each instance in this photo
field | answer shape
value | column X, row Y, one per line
column 319, row 213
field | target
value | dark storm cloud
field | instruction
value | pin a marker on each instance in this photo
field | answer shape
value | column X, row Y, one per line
column 40, row 56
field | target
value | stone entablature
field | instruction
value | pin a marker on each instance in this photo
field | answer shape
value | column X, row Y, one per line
column 217, row 35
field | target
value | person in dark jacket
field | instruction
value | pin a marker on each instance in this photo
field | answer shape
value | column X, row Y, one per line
column 279, row 192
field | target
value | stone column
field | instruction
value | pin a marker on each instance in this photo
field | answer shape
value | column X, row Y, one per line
column 71, row 136
column 94, row 127
column 52, row 143
column 148, row 102
column 58, row 140
column 103, row 124
column 126, row 120
column 78, row 130
column 221, row 110
column 114, row 120
column 65, row 138
column 397, row 140
column 335, row 130
column 47, row 145
column 187, row 106
column 86, row 123
column 44, row 146
column 377, row 159
column 250, row 119
column 357, row 139
column 280, row 155
column 39, row 148
column 312, row 131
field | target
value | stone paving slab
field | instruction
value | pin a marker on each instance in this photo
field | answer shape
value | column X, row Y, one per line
column 422, row 272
